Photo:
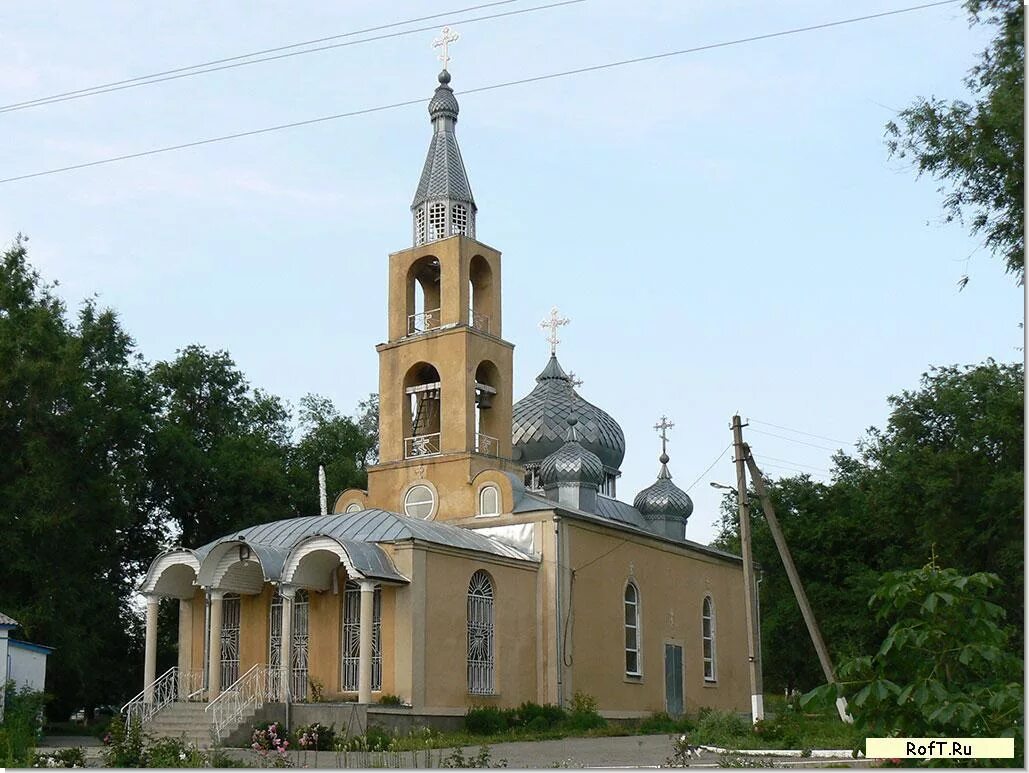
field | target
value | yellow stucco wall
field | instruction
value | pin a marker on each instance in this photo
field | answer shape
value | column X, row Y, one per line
column 446, row 586
column 672, row 587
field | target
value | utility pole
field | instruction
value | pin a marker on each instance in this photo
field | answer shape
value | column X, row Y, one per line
column 757, row 701
column 791, row 570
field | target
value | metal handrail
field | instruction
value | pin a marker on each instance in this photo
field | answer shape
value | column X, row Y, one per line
column 258, row 685
column 165, row 689
column 481, row 321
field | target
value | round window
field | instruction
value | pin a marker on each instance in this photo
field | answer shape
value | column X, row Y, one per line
column 353, row 507
column 419, row 501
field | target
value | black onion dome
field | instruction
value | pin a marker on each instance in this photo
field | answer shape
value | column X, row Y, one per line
column 664, row 498
column 571, row 463
column 540, row 421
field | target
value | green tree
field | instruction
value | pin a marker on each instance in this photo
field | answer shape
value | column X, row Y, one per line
column 75, row 507
column 947, row 471
column 220, row 450
column 976, row 150
column 327, row 438
column 944, row 668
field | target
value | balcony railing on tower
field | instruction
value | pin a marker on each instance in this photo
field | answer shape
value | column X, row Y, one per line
column 486, row 444
column 423, row 321
column 480, row 321
column 421, row 445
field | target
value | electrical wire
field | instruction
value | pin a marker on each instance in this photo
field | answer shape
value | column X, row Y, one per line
column 792, row 469
column 709, row 468
column 480, row 89
column 799, row 431
column 796, row 464
column 254, row 53
column 781, row 437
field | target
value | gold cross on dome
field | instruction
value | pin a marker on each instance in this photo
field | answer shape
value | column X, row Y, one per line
column 554, row 321
column 662, row 428
column 447, row 37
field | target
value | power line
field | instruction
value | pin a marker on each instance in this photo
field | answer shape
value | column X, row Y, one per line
column 796, row 464
column 152, row 79
column 791, row 469
column 710, row 467
column 799, row 431
column 782, row 437
column 493, row 87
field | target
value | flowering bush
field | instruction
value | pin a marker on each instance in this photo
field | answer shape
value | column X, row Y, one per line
column 271, row 746
column 62, row 758
column 315, row 737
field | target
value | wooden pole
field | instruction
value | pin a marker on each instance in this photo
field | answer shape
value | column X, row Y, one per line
column 791, row 572
column 757, row 705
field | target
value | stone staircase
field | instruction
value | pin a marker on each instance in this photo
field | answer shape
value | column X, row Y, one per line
column 186, row 720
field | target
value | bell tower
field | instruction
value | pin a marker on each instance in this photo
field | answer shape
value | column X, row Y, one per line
column 445, row 372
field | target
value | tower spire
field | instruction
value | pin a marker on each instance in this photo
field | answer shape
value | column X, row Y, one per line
column 443, row 204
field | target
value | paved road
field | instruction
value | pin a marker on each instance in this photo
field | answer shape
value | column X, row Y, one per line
column 642, row 751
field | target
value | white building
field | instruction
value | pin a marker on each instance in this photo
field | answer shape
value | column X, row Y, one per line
column 21, row 662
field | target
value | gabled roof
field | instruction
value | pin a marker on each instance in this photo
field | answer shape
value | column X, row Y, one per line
column 7, row 622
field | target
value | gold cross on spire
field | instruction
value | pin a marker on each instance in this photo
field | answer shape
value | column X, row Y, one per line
column 662, row 428
column 554, row 321
column 447, row 37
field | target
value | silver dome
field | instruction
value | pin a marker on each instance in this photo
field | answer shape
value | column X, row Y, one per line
column 540, row 421
column 664, row 498
column 572, row 463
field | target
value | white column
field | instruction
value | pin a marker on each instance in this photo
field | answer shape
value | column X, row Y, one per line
column 285, row 650
column 186, row 682
column 150, row 653
column 214, row 659
column 364, row 661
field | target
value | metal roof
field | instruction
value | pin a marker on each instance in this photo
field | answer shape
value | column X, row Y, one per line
column 443, row 176
column 540, row 421
column 664, row 498
column 572, row 463
column 7, row 622
column 358, row 532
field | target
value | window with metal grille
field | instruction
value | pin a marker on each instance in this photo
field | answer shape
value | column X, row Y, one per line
column 437, row 222
column 351, row 644
column 489, row 501
column 708, row 632
column 480, row 634
column 459, row 219
column 419, row 227
column 632, row 630
column 230, row 639
column 298, row 653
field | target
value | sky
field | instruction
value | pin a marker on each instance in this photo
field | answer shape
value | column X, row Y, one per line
column 725, row 229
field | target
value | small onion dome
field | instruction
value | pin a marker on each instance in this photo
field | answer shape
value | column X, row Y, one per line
column 664, row 498
column 571, row 463
column 538, row 421
column 443, row 102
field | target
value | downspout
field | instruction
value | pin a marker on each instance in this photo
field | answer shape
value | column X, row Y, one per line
column 558, row 580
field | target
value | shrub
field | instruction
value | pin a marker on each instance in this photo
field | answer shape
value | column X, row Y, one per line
column 482, row 760
column 315, row 737
column 172, row 753
column 583, row 703
column 123, row 746
column 584, row 714
column 487, row 720
column 317, row 689
column 537, row 717
column 721, row 728
column 22, row 727
column 390, row 700
column 62, row 758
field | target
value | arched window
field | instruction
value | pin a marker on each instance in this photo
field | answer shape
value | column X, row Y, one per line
column 351, row 638
column 480, row 634
column 419, row 501
column 632, row 630
column 708, row 632
column 459, row 219
column 354, row 507
column 489, row 501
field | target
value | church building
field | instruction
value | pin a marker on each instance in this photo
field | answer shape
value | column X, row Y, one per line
column 489, row 562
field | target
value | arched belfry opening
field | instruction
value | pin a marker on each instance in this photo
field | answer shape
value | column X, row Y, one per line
column 421, row 415
column 481, row 306
column 487, row 421
column 423, row 295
